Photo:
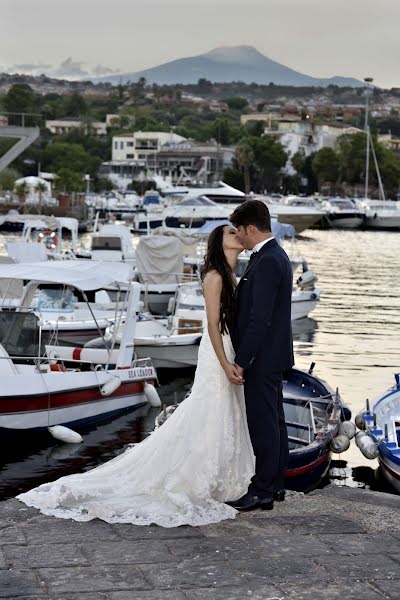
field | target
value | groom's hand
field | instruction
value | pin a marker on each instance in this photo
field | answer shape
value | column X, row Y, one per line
column 239, row 370
column 233, row 374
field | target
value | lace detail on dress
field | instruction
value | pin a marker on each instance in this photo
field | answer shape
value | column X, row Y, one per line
column 180, row 475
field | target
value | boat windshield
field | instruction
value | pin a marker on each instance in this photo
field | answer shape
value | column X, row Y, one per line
column 19, row 333
column 342, row 203
column 106, row 243
column 58, row 300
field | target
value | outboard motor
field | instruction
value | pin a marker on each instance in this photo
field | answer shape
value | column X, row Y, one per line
column 307, row 280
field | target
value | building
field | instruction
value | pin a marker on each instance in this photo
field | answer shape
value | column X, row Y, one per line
column 180, row 161
column 63, row 126
column 306, row 136
column 141, row 144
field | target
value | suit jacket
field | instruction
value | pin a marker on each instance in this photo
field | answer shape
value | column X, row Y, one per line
column 262, row 329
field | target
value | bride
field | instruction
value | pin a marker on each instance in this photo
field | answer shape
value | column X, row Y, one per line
column 200, row 458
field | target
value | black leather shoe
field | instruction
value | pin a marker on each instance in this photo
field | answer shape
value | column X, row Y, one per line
column 279, row 495
column 266, row 504
column 246, row 503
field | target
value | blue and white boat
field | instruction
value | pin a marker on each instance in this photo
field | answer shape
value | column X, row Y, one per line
column 313, row 414
column 382, row 426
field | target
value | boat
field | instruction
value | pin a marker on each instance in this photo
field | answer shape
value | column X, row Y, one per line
column 194, row 212
column 341, row 213
column 381, row 214
column 37, row 392
column 111, row 243
column 380, row 435
column 313, row 415
column 301, row 217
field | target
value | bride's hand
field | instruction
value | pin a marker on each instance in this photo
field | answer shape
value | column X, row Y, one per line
column 233, row 375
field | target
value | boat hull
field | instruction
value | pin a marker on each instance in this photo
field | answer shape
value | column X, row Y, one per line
column 169, row 357
column 59, row 398
column 385, row 223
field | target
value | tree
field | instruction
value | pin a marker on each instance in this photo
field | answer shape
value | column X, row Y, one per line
column 71, row 156
column 236, row 102
column 8, row 178
column 40, row 188
column 270, row 157
column 20, row 98
column 325, row 165
column 220, row 130
column 76, row 106
column 245, row 157
column 69, row 181
column 21, row 190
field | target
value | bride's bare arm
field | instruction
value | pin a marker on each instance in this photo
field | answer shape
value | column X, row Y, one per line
column 212, row 286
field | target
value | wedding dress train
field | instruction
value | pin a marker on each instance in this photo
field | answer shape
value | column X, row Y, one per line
column 181, row 474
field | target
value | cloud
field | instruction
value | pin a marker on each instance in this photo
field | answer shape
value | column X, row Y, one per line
column 102, row 70
column 69, row 69
column 31, row 68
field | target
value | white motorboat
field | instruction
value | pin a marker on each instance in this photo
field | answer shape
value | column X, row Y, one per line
column 67, row 316
column 37, row 392
column 342, row 213
column 42, row 238
column 111, row 243
column 194, row 212
column 301, row 217
column 381, row 214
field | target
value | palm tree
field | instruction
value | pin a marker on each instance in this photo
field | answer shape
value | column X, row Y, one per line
column 21, row 189
column 40, row 188
column 245, row 157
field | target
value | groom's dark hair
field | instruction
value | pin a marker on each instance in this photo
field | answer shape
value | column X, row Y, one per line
column 252, row 212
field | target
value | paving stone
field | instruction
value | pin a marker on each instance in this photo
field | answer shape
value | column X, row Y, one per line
column 93, row 579
column 94, row 596
column 191, row 573
column 289, row 546
column 264, row 592
column 242, row 528
column 62, row 531
column 44, row 555
column 138, row 532
column 390, row 588
column 14, row 510
column 213, row 549
column 122, row 552
column 12, row 535
column 331, row 591
column 19, row 583
column 151, row 595
column 367, row 543
column 275, row 570
column 320, row 524
column 366, row 566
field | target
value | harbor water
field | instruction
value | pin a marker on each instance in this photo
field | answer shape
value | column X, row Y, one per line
column 353, row 336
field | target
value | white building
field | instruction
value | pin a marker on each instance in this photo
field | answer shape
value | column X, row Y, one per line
column 141, row 144
column 306, row 136
column 63, row 126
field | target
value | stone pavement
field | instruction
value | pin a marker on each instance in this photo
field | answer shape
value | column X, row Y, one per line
column 333, row 543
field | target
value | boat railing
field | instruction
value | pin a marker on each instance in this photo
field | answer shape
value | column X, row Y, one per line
column 38, row 360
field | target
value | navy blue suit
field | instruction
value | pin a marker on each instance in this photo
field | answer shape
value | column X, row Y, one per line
column 262, row 339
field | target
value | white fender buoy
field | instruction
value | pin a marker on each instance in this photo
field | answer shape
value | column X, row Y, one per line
column 340, row 444
column 360, row 421
column 367, row 446
column 110, row 386
column 348, row 429
column 152, row 395
column 359, row 436
column 64, row 434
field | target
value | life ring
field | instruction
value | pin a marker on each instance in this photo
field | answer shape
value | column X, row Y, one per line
column 49, row 238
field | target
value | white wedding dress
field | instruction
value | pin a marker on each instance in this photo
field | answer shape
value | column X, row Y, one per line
column 181, row 474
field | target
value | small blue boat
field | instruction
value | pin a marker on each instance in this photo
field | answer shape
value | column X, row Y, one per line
column 313, row 413
column 382, row 432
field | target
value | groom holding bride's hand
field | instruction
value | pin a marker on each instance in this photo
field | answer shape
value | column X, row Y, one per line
column 262, row 339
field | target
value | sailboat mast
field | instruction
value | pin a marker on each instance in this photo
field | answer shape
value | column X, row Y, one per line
column 368, row 80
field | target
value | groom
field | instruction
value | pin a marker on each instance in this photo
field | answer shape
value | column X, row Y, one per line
column 262, row 339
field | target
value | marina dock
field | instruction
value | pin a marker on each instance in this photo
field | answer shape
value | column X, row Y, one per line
column 337, row 542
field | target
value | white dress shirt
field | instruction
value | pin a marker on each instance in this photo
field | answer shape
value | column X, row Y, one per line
column 258, row 246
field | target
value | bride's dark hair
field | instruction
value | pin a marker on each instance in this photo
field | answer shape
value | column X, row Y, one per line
column 215, row 260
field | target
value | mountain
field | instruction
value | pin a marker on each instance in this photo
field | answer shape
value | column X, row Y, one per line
column 227, row 64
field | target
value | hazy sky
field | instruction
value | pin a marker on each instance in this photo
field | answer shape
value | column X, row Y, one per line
column 323, row 38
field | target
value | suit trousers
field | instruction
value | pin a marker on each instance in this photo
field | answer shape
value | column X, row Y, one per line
column 267, row 428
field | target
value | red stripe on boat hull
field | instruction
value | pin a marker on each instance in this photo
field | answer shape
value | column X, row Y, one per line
column 309, row 467
column 389, row 470
column 66, row 398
